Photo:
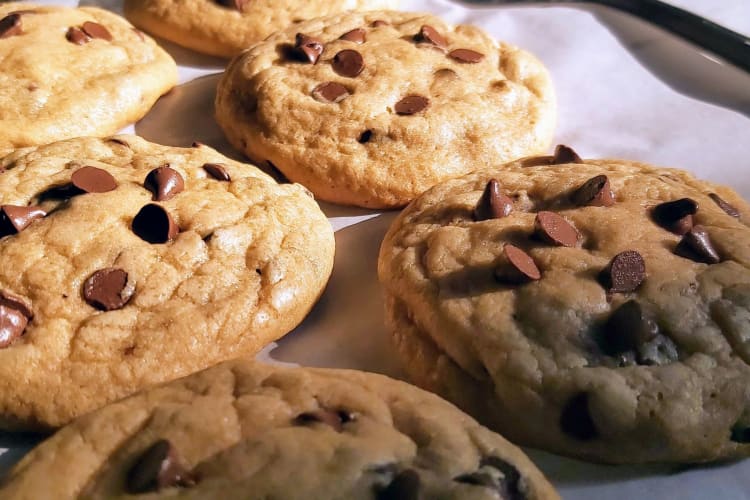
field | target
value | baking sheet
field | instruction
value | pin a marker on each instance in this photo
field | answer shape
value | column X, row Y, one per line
column 625, row 89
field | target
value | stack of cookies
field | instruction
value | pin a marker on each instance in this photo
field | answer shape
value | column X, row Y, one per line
column 594, row 308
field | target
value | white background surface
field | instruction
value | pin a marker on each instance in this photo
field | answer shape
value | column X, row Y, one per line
column 625, row 89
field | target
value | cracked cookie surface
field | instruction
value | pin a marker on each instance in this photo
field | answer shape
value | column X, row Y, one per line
column 601, row 317
column 244, row 428
column 74, row 72
column 225, row 28
column 372, row 109
column 127, row 263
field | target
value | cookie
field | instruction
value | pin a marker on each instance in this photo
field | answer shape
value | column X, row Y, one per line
column 225, row 28
column 244, row 428
column 372, row 109
column 598, row 309
column 126, row 264
column 74, row 72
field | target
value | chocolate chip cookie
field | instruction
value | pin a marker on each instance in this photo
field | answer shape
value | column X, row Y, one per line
column 247, row 430
column 225, row 28
column 372, row 109
column 126, row 263
column 74, row 72
column 599, row 309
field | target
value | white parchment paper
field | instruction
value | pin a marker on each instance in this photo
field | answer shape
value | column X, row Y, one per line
column 625, row 89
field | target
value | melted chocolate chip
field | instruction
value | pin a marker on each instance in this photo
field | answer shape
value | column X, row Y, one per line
column 308, row 48
column 217, row 171
column 154, row 224
column 358, row 35
column 492, row 204
column 625, row 272
column 93, row 180
column 627, row 328
column 696, row 245
column 348, row 63
column 330, row 92
column 157, row 468
column 164, row 182
column 496, row 474
column 466, row 56
column 14, row 219
column 516, row 267
column 675, row 216
column 365, row 137
column 335, row 419
column 740, row 434
column 108, row 289
column 728, row 208
column 15, row 314
column 554, row 229
column 428, row 34
column 564, row 154
column 77, row 36
column 11, row 25
column 575, row 419
column 594, row 192
column 411, row 105
column 404, row 486
column 96, row 30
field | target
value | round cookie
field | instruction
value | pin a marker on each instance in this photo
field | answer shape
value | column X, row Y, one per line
column 225, row 28
column 74, row 72
column 372, row 109
column 127, row 263
column 244, row 428
column 598, row 309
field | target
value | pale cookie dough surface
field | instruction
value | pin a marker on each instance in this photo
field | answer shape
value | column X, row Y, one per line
column 251, row 258
column 53, row 89
column 535, row 361
column 247, row 430
column 227, row 27
column 360, row 150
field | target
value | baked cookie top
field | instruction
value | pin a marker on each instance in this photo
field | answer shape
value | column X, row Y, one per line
column 127, row 263
column 243, row 428
column 73, row 72
column 604, row 306
column 373, row 108
column 225, row 28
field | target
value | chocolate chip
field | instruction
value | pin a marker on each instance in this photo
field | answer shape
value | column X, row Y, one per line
column 364, row 137
column 77, row 36
column 428, row 34
column 497, row 474
column 217, row 171
column 696, row 245
column 153, row 223
column 348, row 63
column 554, row 229
column 335, row 419
column 466, row 56
column 379, row 22
column 564, row 154
column 108, row 289
column 308, row 48
column 15, row 314
column 93, row 180
column 729, row 209
column 404, row 486
column 516, row 266
column 358, row 35
column 492, row 204
column 96, row 30
column 740, row 434
column 11, row 25
column 675, row 216
column 197, row 144
column 625, row 272
column 411, row 104
column 164, row 182
column 595, row 192
column 330, row 92
column 157, row 468
column 14, row 219
column 575, row 419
